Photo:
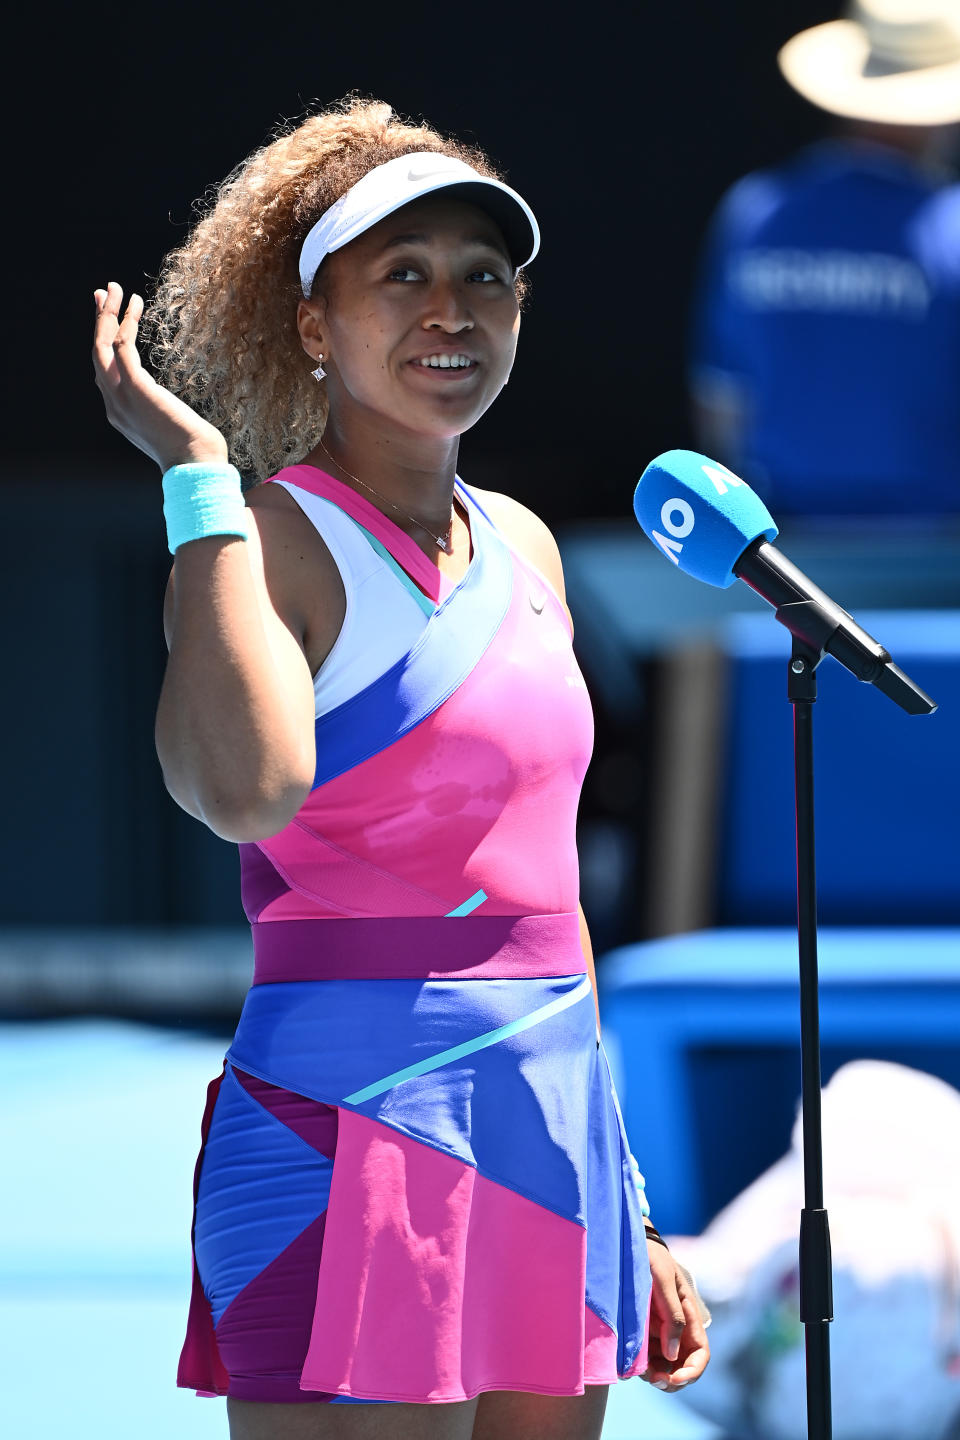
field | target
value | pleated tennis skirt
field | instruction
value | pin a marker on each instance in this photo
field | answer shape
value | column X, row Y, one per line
column 415, row 1189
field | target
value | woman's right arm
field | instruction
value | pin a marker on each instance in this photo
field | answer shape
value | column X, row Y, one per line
column 235, row 719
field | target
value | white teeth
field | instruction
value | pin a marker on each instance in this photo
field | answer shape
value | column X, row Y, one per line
column 446, row 362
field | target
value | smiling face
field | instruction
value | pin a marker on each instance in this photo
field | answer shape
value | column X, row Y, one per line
column 417, row 320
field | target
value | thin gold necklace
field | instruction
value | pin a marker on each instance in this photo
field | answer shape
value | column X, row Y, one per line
column 442, row 541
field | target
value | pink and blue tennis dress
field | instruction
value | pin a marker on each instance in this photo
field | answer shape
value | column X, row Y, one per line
column 414, row 1183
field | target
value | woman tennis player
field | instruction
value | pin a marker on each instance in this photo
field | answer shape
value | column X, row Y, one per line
column 416, row 1212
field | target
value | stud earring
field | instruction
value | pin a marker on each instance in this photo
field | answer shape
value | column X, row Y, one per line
column 319, row 373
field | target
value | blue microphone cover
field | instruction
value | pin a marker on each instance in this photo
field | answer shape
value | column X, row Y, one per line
column 700, row 514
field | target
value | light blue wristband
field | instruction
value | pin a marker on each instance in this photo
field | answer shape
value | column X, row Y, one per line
column 202, row 499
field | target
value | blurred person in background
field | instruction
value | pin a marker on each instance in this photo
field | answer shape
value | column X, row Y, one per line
column 825, row 360
column 414, row 1187
column 891, row 1154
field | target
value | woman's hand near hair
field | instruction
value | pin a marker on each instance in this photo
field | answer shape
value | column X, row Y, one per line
column 235, row 720
column 149, row 416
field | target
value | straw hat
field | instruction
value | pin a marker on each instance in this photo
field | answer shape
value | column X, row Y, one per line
column 896, row 62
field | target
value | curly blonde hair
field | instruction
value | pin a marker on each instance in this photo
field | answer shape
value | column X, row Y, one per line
column 222, row 319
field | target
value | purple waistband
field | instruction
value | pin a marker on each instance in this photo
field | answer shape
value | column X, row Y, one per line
column 428, row 947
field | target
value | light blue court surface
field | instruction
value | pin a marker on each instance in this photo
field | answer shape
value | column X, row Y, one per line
column 99, row 1126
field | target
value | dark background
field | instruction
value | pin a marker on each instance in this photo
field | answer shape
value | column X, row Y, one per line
column 621, row 125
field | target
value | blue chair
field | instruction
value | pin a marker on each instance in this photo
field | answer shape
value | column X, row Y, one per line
column 703, row 1034
column 887, row 784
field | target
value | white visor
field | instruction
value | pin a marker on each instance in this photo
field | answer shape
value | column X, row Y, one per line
column 408, row 177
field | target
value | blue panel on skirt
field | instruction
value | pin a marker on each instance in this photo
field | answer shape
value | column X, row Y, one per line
column 605, row 1199
column 260, row 1186
column 508, row 1109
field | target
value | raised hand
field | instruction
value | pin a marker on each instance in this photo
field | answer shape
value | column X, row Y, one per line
column 151, row 417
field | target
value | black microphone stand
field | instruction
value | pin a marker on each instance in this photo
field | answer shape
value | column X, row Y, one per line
column 816, row 1269
column 813, row 626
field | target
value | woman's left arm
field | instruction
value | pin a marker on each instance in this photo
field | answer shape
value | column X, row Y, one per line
column 678, row 1347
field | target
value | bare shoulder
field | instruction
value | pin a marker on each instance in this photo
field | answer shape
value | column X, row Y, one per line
column 269, row 497
column 294, row 553
column 531, row 536
column 275, row 509
column 301, row 575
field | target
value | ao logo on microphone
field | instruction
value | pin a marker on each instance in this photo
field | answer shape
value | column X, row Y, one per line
column 677, row 517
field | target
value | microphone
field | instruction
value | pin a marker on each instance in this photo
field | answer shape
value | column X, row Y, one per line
column 712, row 525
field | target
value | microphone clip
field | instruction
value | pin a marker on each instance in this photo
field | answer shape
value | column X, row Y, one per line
column 813, row 625
column 802, row 674
column 823, row 628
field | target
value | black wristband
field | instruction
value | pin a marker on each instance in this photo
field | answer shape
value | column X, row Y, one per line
column 653, row 1233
